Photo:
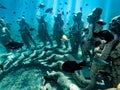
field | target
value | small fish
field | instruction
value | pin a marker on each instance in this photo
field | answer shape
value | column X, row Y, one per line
column 2, row 7
column 67, row 23
column 66, row 3
column 67, row 12
column 14, row 12
column 23, row 12
column 32, row 19
column 49, row 10
column 64, row 38
column 81, row 9
column 86, row 4
column 3, row 17
column 19, row 18
column 58, row 10
column 41, row 5
column 32, row 1
column 104, row 35
column 73, row 13
column 25, row 3
column 72, row 66
column 60, row 3
column 62, row 12
column 23, row 15
column 14, row 45
column 9, row 24
column 32, row 29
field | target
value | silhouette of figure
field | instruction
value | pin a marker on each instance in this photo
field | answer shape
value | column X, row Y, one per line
column 42, row 31
column 58, row 31
column 5, row 36
column 25, row 34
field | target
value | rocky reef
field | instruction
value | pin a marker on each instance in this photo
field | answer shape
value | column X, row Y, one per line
column 24, row 69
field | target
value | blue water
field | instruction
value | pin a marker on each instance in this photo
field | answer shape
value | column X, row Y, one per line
column 29, row 8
